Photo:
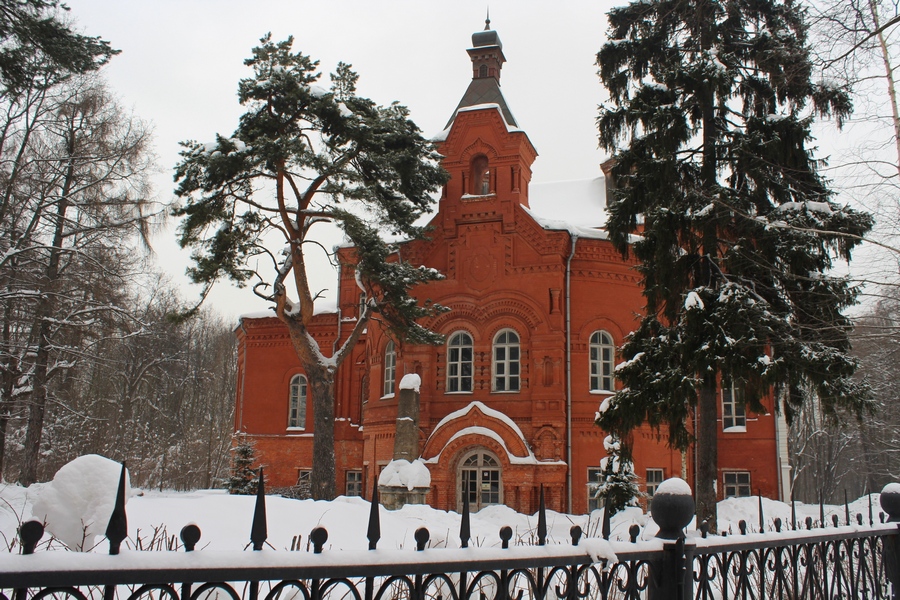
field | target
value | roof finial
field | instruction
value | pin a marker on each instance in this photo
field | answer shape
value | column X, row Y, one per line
column 487, row 21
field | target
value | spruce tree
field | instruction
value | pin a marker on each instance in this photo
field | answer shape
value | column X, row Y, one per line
column 711, row 104
column 244, row 478
column 619, row 486
column 302, row 155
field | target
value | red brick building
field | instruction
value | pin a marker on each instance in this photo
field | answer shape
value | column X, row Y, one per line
column 539, row 301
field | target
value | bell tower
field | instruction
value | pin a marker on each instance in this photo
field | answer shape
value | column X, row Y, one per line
column 488, row 156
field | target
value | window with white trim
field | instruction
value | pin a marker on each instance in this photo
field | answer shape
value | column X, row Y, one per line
column 459, row 362
column 737, row 484
column 734, row 417
column 653, row 479
column 506, row 361
column 602, row 357
column 390, row 368
column 594, row 479
column 297, row 403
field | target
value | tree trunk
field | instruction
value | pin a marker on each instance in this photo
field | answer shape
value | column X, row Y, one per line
column 9, row 372
column 322, row 478
column 38, row 404
column 39, row 394
column 707, row 453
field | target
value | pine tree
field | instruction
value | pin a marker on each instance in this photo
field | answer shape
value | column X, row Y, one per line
column 303, row 155
column 40, row 45
column 711, row 103
column 244, row 478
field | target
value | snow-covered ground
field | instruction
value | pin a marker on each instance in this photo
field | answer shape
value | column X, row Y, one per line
column 224, row 520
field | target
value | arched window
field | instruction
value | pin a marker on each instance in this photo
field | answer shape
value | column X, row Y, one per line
column 390, row 368
column 506, row 361
column 459, row 362
column 482, row 71
column 480, row 482
column 297, row 403
column 481, row 176
column 602, row 355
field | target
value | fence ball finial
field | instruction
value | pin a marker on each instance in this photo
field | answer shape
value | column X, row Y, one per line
column 890, row 501
column 672, row 508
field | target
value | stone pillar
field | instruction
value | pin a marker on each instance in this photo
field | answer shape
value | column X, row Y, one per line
column 406, row 437
column 404, row 481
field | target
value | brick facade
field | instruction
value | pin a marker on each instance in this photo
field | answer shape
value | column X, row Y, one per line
column 509, row 275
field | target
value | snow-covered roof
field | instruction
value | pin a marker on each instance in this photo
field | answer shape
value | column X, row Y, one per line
column 577, row 206
column 485, row 410
column 578, row 202
column 323, row 306
column 510, row 127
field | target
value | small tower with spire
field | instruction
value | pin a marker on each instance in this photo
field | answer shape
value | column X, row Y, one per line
column 486, row 52
column 487, row 154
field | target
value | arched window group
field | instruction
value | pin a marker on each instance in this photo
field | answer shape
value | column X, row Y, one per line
column 506, row 356
column 297, row 403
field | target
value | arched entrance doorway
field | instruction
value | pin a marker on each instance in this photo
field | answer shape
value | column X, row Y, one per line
column 480, row 480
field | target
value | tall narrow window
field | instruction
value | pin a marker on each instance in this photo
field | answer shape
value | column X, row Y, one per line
column 602, row 354
column 734, row 418
column 481, row 176
column 390, row 368
column 506, row 361
column 459, row 362
column 482, row 71
column 297, row 403
column 594, row 479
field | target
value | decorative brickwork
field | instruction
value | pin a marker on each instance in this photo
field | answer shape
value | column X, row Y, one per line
column 504, row 271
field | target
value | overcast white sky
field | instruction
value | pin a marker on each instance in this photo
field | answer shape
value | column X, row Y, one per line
column 181, row 61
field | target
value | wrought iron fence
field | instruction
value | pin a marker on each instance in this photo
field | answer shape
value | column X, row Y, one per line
column 852, row 559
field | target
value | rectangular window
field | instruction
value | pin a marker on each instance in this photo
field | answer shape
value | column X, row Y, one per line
column 654, row 478
column 737, row 484
column 354, row 483
column 594, row 479
column 304, row 478
column 733, row 416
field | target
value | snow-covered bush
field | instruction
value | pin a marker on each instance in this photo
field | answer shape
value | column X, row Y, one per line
column 77, row 504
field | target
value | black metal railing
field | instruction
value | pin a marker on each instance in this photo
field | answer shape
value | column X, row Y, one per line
column 797, row 560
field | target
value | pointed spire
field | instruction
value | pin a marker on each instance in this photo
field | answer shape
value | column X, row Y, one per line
column 464, row 525
column 487, row 20
column 542, row 520
column 259, row 530
column 117, row 529
column 373, row 533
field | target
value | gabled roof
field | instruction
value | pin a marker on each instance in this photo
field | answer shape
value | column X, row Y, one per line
column 485, row 90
